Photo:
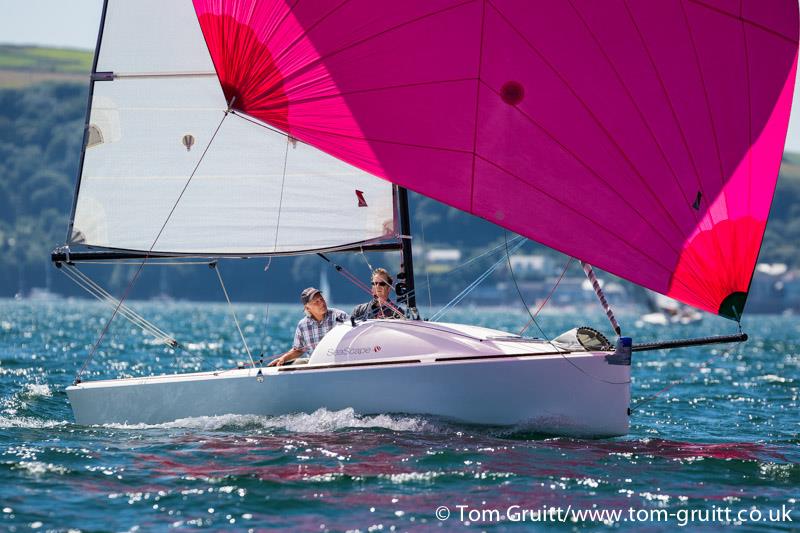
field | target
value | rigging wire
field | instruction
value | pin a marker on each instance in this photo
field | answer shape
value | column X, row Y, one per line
column 519, row 292
column 425, row 264
column 274, row 245
column 460, row 296
column 266, row 330
column 358, row 283
column 364, row 256
column 101, row 294
column 144, row 260
column 544, row 302
column 348, row 275
column 560, row 351
column 487, row 252
column 280, row 201
column 468, row 262
column 216, row 269
column 87, row 284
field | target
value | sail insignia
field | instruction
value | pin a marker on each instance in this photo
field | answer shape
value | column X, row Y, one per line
column 77, row 237
column 188, row 141
column 93, row 136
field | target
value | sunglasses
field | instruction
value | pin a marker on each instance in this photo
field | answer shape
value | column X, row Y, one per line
column 380, row 284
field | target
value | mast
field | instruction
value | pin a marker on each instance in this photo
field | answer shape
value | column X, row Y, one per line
column 92, row 79
column 405, row 287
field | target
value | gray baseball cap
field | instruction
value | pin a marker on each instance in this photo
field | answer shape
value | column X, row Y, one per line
column 308, row 294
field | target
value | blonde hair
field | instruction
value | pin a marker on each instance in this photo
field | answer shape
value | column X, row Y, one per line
column 384, row 273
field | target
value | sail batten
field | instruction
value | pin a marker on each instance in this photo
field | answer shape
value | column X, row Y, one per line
column 162, row 74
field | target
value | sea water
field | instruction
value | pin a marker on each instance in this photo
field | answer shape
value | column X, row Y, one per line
column 718, row 448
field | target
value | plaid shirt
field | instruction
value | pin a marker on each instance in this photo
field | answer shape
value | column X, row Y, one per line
column 309, row 332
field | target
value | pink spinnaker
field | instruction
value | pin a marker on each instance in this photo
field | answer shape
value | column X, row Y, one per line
column 642, row 137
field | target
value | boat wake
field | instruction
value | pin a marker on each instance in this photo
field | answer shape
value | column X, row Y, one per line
column 34, row 390
column 20, row 409
column 320, row 421
column 29, row 422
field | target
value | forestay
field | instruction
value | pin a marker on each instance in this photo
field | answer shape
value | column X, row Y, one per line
column 641, row 137
column 156, row 106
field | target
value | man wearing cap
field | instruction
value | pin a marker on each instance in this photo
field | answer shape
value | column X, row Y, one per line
column 318, row 321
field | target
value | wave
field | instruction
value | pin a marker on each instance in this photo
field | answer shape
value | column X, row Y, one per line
column 39, row 468
column 678, row 450
column 29, row 422
column 320, row 421
column 773, row 378
column 34, row 390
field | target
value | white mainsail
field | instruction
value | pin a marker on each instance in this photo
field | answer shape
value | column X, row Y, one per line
column 158, row 121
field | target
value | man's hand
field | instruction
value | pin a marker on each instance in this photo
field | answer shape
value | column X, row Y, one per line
column 291, row 355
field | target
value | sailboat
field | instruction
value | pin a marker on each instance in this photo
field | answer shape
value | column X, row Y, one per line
column 325, row 286
column 642, row 138
column 664, row 311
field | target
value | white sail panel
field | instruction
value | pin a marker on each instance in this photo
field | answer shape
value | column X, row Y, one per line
column 253, row 191
column 152, row 36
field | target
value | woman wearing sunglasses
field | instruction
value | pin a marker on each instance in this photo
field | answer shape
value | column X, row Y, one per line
column 380, row 306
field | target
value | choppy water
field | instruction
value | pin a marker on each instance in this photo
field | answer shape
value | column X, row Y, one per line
column 722, row 442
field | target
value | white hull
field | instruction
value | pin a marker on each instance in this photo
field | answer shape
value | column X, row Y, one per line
column 574, row 394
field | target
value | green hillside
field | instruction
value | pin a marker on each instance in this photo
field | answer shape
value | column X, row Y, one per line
column 21, row 66
column 40, row 134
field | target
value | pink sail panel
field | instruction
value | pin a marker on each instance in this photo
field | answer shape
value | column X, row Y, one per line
column 641, row 137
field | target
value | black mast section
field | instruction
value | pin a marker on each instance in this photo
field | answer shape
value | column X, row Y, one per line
column 93, row 78
column 405, row 287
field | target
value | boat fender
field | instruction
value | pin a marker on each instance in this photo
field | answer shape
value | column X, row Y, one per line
column 259, row 376
column 622, row 355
